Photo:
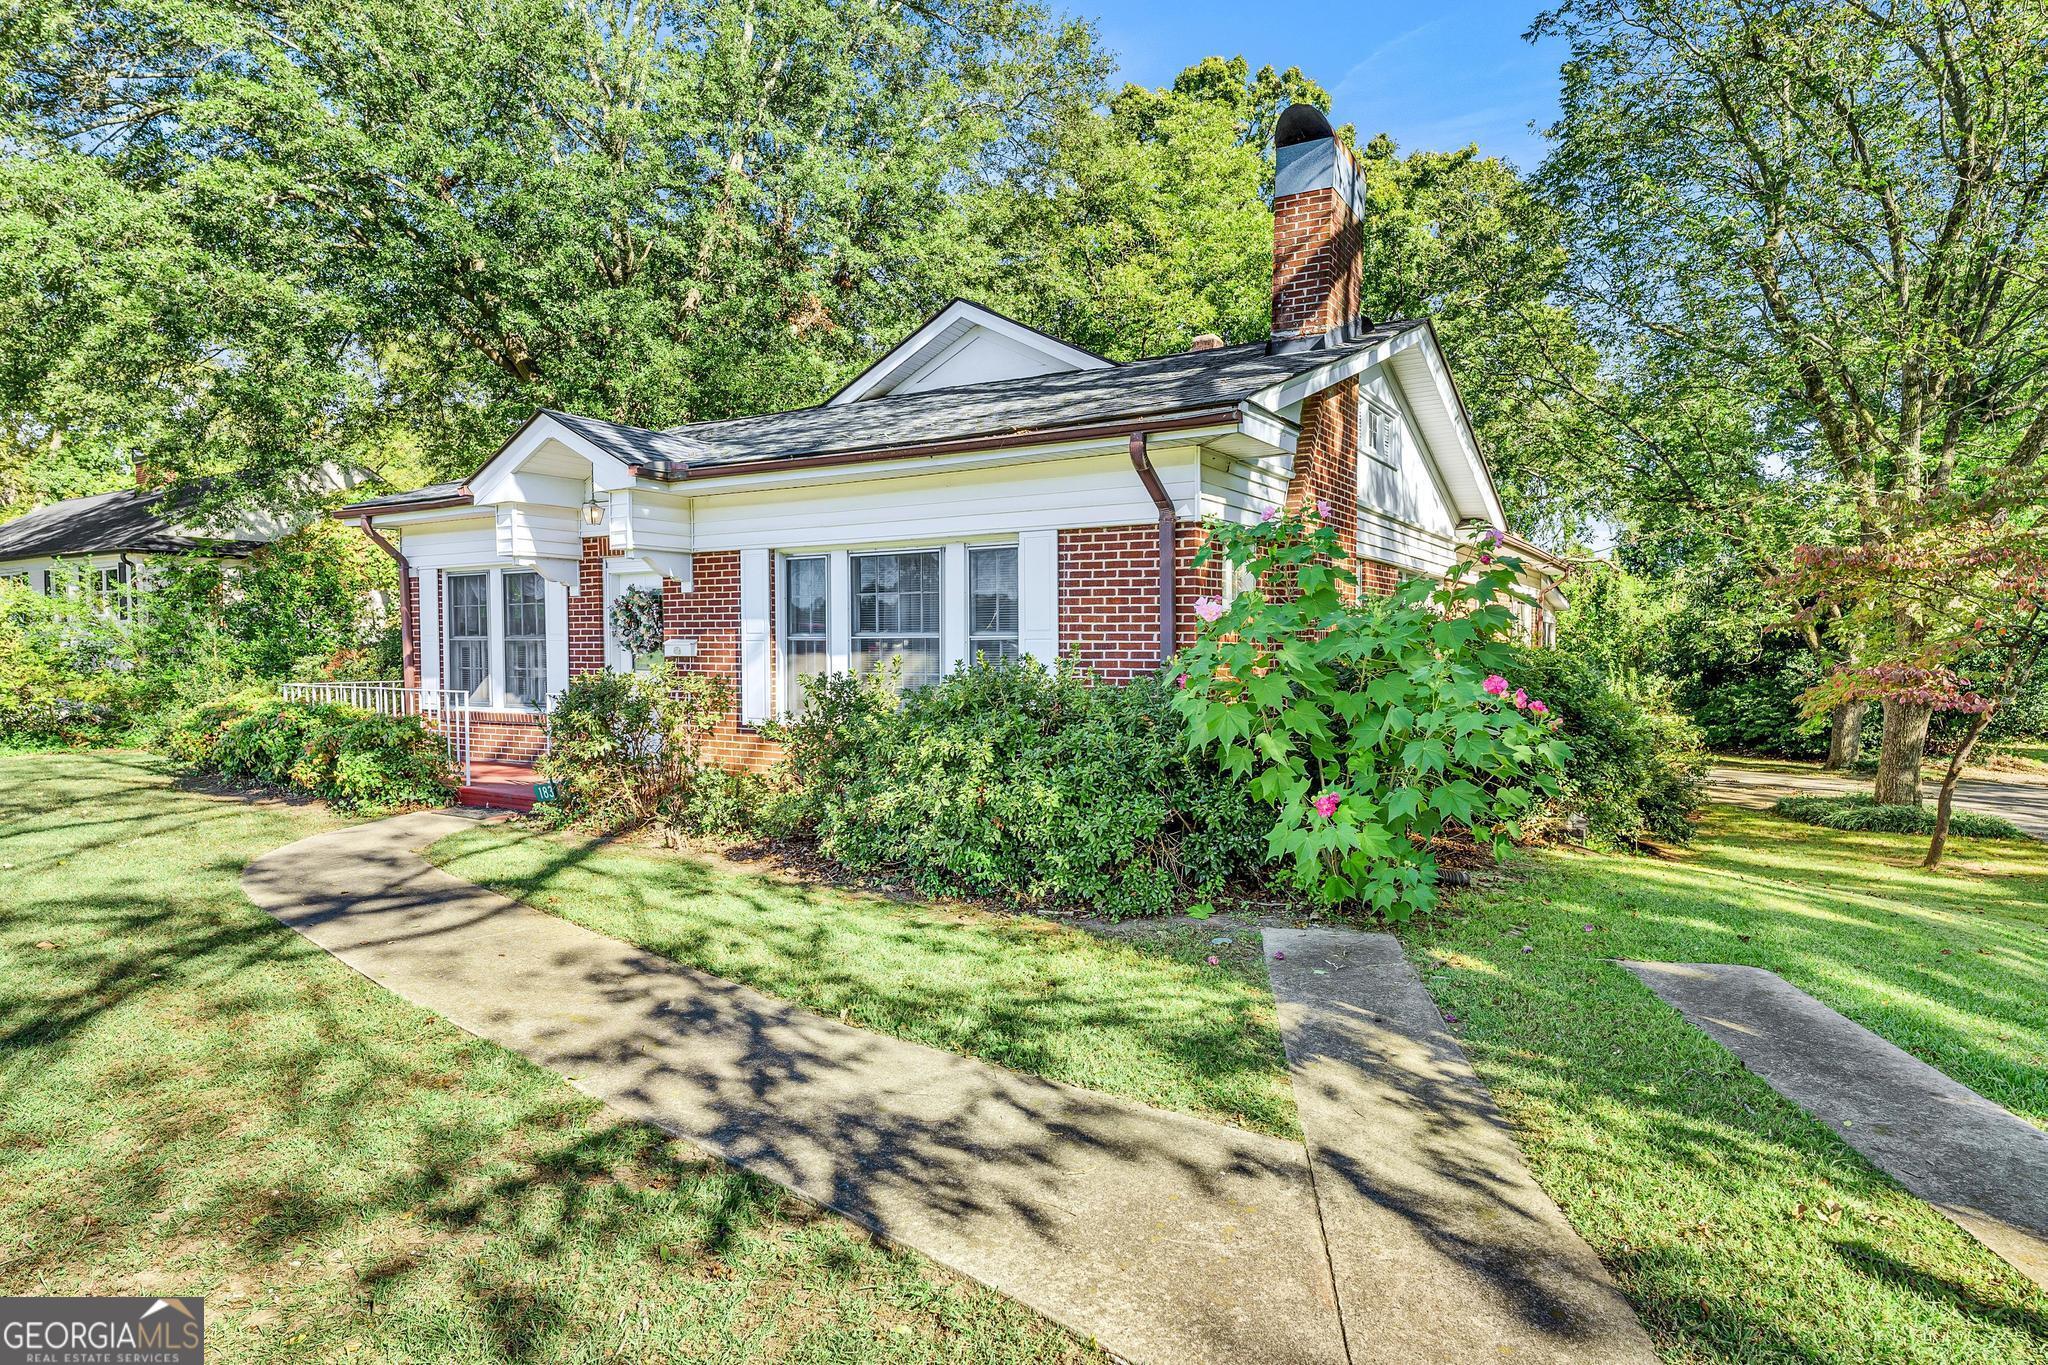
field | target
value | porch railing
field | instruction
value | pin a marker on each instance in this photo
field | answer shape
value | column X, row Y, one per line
column 450, row 714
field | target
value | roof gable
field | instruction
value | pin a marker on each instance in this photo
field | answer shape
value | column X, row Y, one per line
column 963, row 344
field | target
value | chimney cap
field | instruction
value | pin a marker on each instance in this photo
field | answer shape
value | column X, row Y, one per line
column 1301, row 123
column 1207, row 341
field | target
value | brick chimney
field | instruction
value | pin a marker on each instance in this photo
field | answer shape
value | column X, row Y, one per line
column 1318, row 214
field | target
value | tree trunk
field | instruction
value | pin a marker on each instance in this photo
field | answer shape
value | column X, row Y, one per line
column 1898, row 758
column 1845, row 736
column 1945, row 805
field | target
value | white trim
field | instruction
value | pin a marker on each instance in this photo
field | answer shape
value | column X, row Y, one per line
column 432, row 647
column 953, row 589
column 1038, row 595
column 755, row 633
column 932, row 342
column 839, row 624
column 492, row 483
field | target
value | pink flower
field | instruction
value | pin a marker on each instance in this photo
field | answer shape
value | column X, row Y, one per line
column 1495, row 685
column 1215, row 961
column 1208, row 608
column 1493, row 535
column 1271, row 513
column 1537, row 708
column 1279, row 957
column 1323, row 508
column 1521, row 699
column 1326, row 804
column 1486, row 559
column 1181, row 681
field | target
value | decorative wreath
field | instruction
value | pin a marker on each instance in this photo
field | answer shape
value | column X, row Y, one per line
column 636, row 620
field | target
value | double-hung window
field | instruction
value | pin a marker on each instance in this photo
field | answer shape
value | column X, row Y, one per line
column 469, row 636
column 804, row 644
column 526, row 638
column 896, row 615
column 992, row 602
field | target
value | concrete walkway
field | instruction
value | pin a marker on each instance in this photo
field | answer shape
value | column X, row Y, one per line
column 1162, row 1237
column 2025, row 803
column 1424, row 1196
column 1985, row 1168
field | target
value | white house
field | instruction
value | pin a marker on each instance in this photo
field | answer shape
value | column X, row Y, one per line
column 982, row 488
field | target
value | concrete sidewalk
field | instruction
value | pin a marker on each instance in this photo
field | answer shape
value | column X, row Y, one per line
column 1163, row 1238
column 1982, row 1166
column 1424, row 1196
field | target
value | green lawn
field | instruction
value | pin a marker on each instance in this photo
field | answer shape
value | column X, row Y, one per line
column 195, row 1100
column 1740, row 1227
column 1150, row 1020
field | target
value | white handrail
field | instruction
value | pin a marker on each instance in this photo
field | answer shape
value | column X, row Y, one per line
column 450, row 713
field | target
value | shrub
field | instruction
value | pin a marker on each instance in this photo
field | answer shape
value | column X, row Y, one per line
column 627, row 748
column 1636, row 767
column 1862, row 814
column 1366, row 724
column 65, row 676
column 356, row 759
column 1007, row 780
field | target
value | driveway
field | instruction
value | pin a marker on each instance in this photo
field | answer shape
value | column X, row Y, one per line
column 2022, row 802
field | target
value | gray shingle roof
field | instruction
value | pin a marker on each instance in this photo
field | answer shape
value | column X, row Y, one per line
column 129, row 520
column 432, row 494
column 1158, row 387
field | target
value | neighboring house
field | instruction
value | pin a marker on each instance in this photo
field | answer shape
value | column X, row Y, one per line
column 104, row 544
column 982, row 488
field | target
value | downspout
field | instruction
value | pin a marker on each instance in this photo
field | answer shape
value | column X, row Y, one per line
column 1149, row 476
column 408, row 631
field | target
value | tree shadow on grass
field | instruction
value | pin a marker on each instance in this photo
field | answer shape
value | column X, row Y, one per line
column 1134, row 1018
column 197, row 1100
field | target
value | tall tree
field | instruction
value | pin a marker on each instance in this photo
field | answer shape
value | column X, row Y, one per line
column 1150, row 222
column 1831, row 210
column 424, row 218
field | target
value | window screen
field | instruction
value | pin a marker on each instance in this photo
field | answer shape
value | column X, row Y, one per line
column 526, row 639
column 803, row 625
column 469, row 636
column 992, row 602
column 896, row 614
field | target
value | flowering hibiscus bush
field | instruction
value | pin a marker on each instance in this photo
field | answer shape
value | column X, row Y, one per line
column 1366, row 724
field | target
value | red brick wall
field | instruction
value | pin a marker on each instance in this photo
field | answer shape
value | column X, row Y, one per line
column 587, row 629
column 1326, row 459
column 1317, row 242
column 1109, row 596
column 710, row 614
column 506, row 738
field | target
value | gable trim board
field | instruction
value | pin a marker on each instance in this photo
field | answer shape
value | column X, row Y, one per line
column 943, row 338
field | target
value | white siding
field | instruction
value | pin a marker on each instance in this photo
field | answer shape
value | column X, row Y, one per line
column 980, row 357
column 1096, row 490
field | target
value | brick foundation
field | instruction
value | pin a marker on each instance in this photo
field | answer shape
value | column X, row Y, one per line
column 710, row 614
column 505, row 738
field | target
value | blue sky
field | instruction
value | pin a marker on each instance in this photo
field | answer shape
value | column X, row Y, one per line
column 1435, row 77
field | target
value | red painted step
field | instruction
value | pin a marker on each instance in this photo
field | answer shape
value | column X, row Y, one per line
column 498, row 786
